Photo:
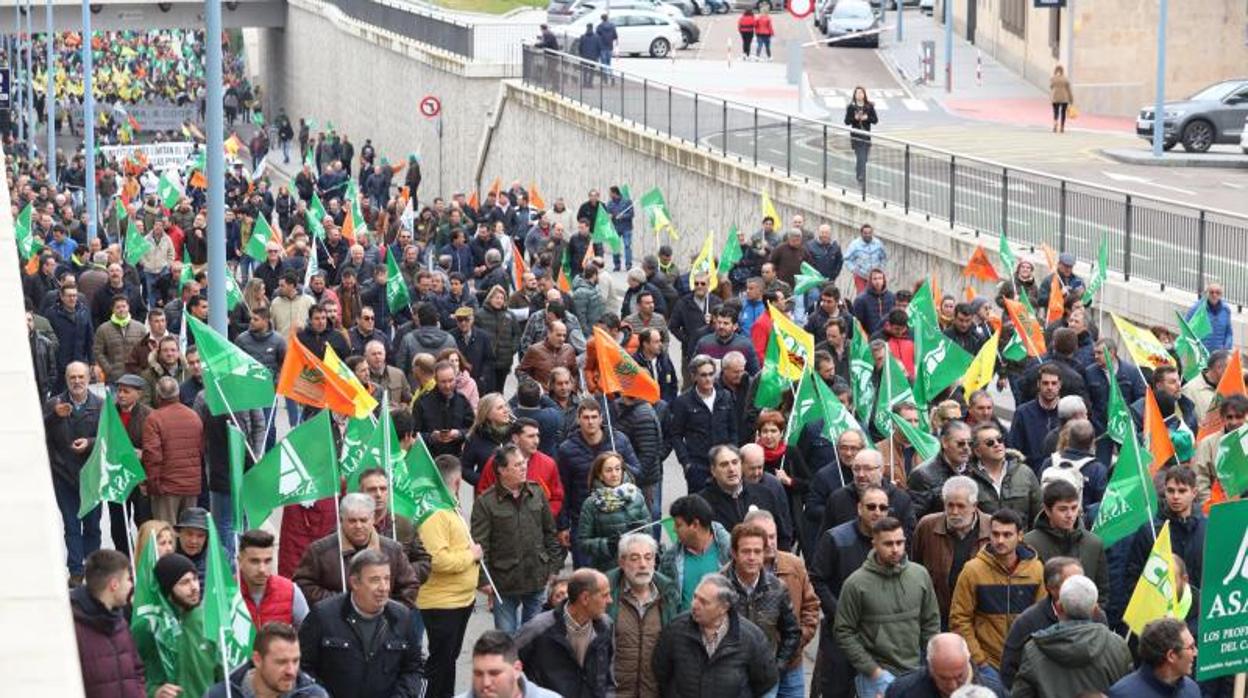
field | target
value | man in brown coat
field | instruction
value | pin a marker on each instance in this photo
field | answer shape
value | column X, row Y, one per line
column 541, row 358
column 945, row 541
column 173, row 453
column 116, row 339
column 321, row 571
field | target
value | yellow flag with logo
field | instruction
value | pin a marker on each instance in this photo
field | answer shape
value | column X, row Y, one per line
column 769, row 210
column 797, row 346
column 983, row 367
column 705, row 261
column 364, row 403
column 1156, row 594
column 1145, row 348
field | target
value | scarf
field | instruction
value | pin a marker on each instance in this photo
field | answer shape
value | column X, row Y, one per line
column 120, row 322
column 773, row 455
column 496, row 434
column 609, row 500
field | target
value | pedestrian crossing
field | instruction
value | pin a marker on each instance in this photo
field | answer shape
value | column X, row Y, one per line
column 885, row 99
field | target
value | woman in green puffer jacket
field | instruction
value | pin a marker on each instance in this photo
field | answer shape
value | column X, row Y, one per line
column 614, row 507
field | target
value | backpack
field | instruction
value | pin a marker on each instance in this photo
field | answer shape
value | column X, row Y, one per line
column 1068, row 469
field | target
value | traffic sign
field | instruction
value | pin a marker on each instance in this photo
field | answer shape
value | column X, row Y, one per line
column 430, row 106
column 801, row 9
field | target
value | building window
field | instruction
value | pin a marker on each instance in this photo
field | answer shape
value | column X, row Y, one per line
column 1014, row 16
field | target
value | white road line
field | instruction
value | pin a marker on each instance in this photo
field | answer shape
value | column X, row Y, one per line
column 915, row 104
column 881, row 105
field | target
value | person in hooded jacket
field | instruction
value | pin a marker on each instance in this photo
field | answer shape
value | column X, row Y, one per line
column 111, row 667
column 872, row 306
column 1059, row 532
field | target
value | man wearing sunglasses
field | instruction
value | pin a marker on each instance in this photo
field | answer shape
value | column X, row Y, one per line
column 1004, row 481
column 926, row 480
column 845, row 503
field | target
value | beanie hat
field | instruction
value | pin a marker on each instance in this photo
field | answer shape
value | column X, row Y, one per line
column 172, row 568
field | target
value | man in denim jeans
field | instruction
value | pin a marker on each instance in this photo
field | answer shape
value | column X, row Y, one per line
column 607, row 38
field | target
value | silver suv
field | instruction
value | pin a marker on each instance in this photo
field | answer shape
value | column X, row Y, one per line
column 1213, row 116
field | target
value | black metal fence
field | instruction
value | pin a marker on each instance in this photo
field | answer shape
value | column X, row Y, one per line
column 414, row 23
column 1171, row 243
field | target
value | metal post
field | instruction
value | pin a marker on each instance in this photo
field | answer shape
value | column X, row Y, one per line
column 756, row 136
column 50, row 97
column 788, row 146
column 602, row 90
column 623, row 110
column 901, row 12
column 725, row 131
column 30, row 75
column 1061, row 217
column 215, row 116
column 695, row 119
column 645, row 103
column 1005, row 200
column 1159, row 102
column 905, row 177
column 1126, row 242
column 953, row 189
column 1200, row 254
column 669, row 111
column 825, row 156
column 949, row 45
column 88, row 118
column 15, row 65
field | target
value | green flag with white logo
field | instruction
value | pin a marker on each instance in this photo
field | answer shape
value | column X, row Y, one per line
column 894, row 389
column 301, row 468
column 355, row 440
column 168, row 189
column 1007, row 255
column 1231, row 464
column 925, row 445
column 605, row 232
column 938, row 361
column 113, row 469
column 1098, row 277
column 398, row 296
column 257, row 244
column 806, row 279
column 732, row 252
column 233, row 380
column 418, row 486
column 1130, row 499
column 233, row 294
column 156, row 628
column 1200, row 320
column 315, row 217
column 1223, row 593
column 227, row 622
column 861, row 372
column 27, row 242
column 807, row 407
column 188, row 269
column 380, row 449
column 136, row 245
column 1120, row 426
column 1193, row 354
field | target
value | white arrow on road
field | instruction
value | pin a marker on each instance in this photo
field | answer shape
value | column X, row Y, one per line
column 1146, row 181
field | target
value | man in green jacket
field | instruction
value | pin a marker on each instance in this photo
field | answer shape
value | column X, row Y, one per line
column 177, row 659
column 886, row 613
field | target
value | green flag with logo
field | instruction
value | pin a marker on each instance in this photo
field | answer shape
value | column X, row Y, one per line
column 27, row 242
column 1007, row 255
column 358, row 434
column 939, row 362
column 188, row 269
column 1199, row 323
column 861, row 372
column 233, row 380
column 1231, row 464
column 1120, row 425
column 257, row 244
column 301, row 468
column 806, row 279
column 380, row 449
column 807, row 407
column 418, row 486
column 398, row 296
column 1193, row 354
column 136, row 245
column 152, row 618
column 732, row 252
column 112, row 470
column 236, row 447
column 1130, row 499
column 1014, row 350
column 1224, row 593
column 227, row 622
column 925, row 445
column 233, row 294
column 315, row 217
column 653, row 201
column 1098, row 277
column 894, row 389
column 605, row 232
column 771, row 385
column 168, row 190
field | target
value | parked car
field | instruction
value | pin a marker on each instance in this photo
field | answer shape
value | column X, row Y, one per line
column 1214, row 115
column 687, row 8
column 927, row 7
column 851, row 17
column 1243, row 137
column 590, row 10
column 641, row 32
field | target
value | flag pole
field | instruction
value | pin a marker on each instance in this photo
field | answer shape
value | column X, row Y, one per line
column 270, row 419
column 126, row 514
column 385, row 453
column 342, row 568
column 225, row 661
column 484, row 570
column 234, row 419
column 606, row 410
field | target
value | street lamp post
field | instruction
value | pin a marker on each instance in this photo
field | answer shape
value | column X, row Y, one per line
column 949, row 45
column 15, row 64
column 30, row 74
column 215, row 116
column 88, row 119
column 49, row 97
column 1159, row 103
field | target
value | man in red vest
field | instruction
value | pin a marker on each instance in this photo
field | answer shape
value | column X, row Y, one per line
column 269, row 597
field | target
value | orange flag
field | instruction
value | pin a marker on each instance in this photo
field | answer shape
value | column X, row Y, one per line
column 1050, row 257
column 348, row 227
column 535, row 198
column 978, row 267
column 1156, row 435
column 32, row 265
column 1028, row 329
column 1217, row 495
column 1057, row 301
column 563, row 284
column 1232, row 383
column 518, row 267
column 969, row 293
column 307, row 380
column 619, row 373
column 473, row 202
column 496, row 186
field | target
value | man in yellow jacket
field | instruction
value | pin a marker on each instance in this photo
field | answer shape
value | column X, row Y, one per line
column 446, row 598
column 1001, row 582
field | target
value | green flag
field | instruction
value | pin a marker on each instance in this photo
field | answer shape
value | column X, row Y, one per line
column 894, row 388
column 808, row 278
column 1102, row 270
column 806, row 405
column 1007, row 255
column 604, row 230
column 938, row 361
column 27, row 242
column 233, row 294
column 151, row 617
column 1130, row 498
column 315, row 217
column 237, row 450
column 301, row 468
column 188, row 269
column 380, row 450
column 226, row 618
column 397, row 295
column 257, row 118
column 771, row 384
column 136, row 245
column 653, row 201
column 836, row 418
column 112, row 470
column 309, row 160
column 1223, row 588
column 1120, row 426
column 732, row 252
column 1193, row 354
column 358, row 435
column 925, row 445
column 1200, row 320
column 861, row 372
column 418, row 486
column 229, row 371
column 257, row 244
column 1232, row 461
column 168, row 190
column 1014, row 350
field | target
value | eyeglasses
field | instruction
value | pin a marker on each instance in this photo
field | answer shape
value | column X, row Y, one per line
column 699, row 283
column 962, row 443
column 462, row 319
column 367, row 317
column 875, row 507
column 990, row 443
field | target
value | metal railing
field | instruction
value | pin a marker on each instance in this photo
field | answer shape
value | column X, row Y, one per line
column 1172, row 243
column 414, row 23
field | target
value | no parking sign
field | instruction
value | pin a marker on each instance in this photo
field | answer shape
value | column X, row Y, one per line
column 430, row 106
column 801, row 9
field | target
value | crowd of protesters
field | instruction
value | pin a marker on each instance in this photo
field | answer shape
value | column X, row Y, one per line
column 971, row 570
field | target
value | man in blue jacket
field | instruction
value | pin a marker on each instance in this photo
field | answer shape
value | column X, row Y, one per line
column 619, row 206
column 1221, row 335
column 590, row 50
column 1167, row 653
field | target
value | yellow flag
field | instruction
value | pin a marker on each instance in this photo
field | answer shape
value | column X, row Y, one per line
column 363, row 401
column 705, row 261
column 982, row 368
column 1145, row 348
column 797, row 346
column 1156, row 594
column 769, row 210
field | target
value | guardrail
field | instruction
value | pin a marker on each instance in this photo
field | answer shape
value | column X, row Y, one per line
column 1172, row 243
column 414, row 23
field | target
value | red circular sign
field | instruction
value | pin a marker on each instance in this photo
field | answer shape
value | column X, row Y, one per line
column 800, row 8
column 430, row 106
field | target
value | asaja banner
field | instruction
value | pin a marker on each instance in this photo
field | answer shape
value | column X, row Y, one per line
column 1223, row 641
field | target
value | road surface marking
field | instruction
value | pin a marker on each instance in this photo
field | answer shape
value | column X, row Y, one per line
column 915, row 104
column 1146, row 181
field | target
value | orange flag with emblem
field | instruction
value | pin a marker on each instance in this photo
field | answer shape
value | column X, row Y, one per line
column 978, row 267
column 1231, row 383
column 619, row 373
column 307, row 380
column 1028, row 329
column 1156, row 434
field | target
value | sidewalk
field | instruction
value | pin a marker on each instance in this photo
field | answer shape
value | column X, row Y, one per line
column 999, row 95
column 763, row 85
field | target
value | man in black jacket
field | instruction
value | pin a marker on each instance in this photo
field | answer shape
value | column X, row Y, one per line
column 572, row 658
column 443, row 414
column 361, row 644
column 696, row 427
column 731, row 497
